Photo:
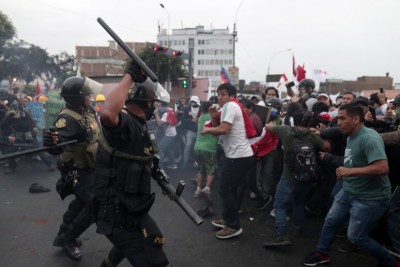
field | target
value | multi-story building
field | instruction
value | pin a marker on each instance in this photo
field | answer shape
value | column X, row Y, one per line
column 95, row 61
column 211, row 49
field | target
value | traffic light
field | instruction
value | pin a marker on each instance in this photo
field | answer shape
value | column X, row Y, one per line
column 194, row 83
column 177, row 53
column 159, row 48
column 184, row 84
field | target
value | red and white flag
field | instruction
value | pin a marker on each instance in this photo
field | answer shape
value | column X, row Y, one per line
column 301, row 73
column 282, row 80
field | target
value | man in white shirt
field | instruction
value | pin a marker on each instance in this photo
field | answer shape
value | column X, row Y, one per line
column 230, row 127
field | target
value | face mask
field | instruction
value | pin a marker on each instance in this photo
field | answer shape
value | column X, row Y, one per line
column 146, row 109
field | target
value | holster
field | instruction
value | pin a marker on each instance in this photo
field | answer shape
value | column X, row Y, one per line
column 65, row 185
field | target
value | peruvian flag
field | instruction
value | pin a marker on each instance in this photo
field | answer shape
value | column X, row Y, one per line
column 283, row 80
column 301, row 73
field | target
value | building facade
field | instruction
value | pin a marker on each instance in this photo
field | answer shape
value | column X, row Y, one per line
column 211, row 49
column 108, row 60
column 333, row 86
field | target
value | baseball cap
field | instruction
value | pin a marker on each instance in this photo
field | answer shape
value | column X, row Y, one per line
column 325, row 95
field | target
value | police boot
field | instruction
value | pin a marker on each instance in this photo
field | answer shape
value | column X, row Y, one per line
column 58, row 242
column 69, row 248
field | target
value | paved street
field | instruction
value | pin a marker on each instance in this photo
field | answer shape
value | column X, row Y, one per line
column 29, row 223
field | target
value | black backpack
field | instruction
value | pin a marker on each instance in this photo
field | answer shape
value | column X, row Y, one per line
column 302, row 158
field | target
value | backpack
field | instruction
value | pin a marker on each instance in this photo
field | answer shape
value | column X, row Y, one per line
column 302, row 158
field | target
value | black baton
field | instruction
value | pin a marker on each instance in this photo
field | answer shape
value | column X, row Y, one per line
column 130, row 53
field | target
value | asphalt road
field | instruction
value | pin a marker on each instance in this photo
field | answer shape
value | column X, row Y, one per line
column 29, row 222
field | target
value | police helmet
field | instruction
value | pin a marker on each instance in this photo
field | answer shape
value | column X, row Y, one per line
column 275, row 102
column 396, row 100
column 148, row 91
column 307, row 83
column 74, row 89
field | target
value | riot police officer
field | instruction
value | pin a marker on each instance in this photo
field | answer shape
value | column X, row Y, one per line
column 123, row 194
column 76, row 162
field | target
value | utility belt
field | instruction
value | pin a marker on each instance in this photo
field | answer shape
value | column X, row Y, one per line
column 113, row 214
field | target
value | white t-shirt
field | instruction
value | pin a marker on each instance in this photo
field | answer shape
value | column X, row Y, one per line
column 169, row 130
column 235, row 144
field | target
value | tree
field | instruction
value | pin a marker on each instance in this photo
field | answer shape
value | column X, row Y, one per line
column 28, row 62
column 158, row 63
column 7, row 30
column 24, row 61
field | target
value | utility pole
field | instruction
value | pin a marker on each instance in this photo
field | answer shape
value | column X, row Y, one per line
column 190, row 78
column 234, row 34
column 169, row 60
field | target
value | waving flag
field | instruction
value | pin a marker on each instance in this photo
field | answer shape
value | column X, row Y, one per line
column 282, row 80
column 301, row 73
column 224, row 76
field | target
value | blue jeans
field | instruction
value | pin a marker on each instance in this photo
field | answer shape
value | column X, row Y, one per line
column 166, row 152
column 364, row 215
column 190, row 140
column 289, row 193
column 233, row 171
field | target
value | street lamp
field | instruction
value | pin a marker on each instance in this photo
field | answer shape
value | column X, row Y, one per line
column 282, row 51
column 235, row 32
column 168, row 45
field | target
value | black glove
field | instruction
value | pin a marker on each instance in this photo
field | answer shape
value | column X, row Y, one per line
column 134, row 70
column 47, row 140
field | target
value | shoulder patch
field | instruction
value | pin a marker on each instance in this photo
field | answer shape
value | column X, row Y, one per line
column 61, row 123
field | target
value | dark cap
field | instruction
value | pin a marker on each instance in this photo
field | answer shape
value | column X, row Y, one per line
column 362, row 100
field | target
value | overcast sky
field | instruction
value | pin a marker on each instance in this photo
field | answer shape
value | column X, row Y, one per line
column 346, row 38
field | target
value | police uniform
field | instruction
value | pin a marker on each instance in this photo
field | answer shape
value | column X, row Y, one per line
column 123, row 194
column 75, row 161
column 124, row 164
column 76, row 164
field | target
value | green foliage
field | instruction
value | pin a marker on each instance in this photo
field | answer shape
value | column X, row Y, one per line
column 7, row 30
column 158, row 63
column 28, row 62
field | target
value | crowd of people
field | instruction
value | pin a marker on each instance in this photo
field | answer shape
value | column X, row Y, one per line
column 18, row 130
column 307, row 154
column 352, row 174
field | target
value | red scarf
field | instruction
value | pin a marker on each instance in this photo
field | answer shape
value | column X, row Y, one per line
column 250, row 130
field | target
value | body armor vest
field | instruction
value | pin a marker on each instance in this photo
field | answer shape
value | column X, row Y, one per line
column 83, row 153
column 123, row 175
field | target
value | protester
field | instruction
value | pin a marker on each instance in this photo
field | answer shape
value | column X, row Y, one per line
column 232, row 126
column 365, row 192
column 290, row 190
column 205, row 150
